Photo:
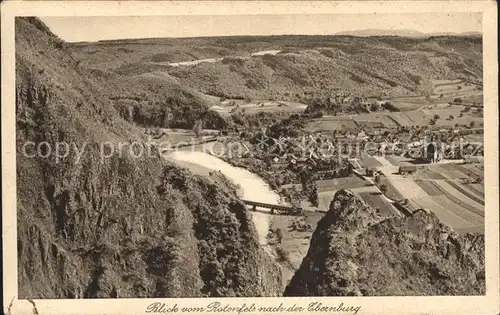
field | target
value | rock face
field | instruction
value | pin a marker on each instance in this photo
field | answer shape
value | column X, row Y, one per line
column 355, row 252
column 115, row 225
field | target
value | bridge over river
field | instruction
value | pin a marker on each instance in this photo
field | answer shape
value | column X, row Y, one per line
column 293, row 210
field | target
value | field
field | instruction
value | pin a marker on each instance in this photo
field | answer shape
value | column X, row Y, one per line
column 328, row 187
column 446, row 185
column 460, row 178
column 376, row 118
column 397, row 160
column 448, row 90
column 330, row 123
column 392, row 192
column 368, row 161
column 443, row 91
column 409, row 103
column 254, row 106
column 448, row 116
column 377, row 201
column 295, row 242
column 401, row 119
column 368, row 192
column 441, row 188
column 339, row 183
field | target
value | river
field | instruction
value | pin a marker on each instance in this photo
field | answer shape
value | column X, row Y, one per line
column 253, row 187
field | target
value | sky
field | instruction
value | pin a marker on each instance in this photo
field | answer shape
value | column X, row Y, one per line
column 78, row 28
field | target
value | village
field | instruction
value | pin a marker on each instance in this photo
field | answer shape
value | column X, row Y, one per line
column 321, row 155
column 370, row 153
column 398, row 170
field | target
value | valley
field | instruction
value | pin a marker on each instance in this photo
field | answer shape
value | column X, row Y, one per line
column 374, row 145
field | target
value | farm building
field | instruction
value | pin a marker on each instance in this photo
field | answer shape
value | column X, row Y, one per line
column 407, row 169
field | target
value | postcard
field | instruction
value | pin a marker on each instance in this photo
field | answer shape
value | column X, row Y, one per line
column 250, row 157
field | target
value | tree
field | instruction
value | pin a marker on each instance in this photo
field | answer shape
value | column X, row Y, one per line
column 197, row 128
column 243, row 135
column 451, row 117
column 457, row 100
column 472, row 124
column 390, row 107
column 374, row 107
column 313, row 197
column 279, row 235
column 436, row 117
column 383, row 188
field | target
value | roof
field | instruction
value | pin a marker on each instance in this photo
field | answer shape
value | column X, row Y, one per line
column 407, row 167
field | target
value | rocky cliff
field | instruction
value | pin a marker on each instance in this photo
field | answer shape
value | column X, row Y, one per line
column 100, row 224
column 354, row 252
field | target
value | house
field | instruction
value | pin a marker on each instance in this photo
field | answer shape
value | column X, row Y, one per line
column 407, row 169
column 362, row 135
column 415, row 144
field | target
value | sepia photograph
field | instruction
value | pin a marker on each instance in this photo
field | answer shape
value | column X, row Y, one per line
column 250, row 155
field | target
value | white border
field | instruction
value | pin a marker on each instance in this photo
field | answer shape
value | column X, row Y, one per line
column 488, row 304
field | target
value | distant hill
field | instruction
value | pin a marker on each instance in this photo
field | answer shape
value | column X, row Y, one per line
column 379, row 66
column 471, row 34
column 402, row 33
column 380, row 32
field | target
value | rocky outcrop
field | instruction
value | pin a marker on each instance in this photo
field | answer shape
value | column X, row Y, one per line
column 355, row 252
column 117, row 225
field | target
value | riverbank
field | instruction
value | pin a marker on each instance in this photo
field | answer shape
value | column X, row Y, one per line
column 252, row 186
column 295, row 231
